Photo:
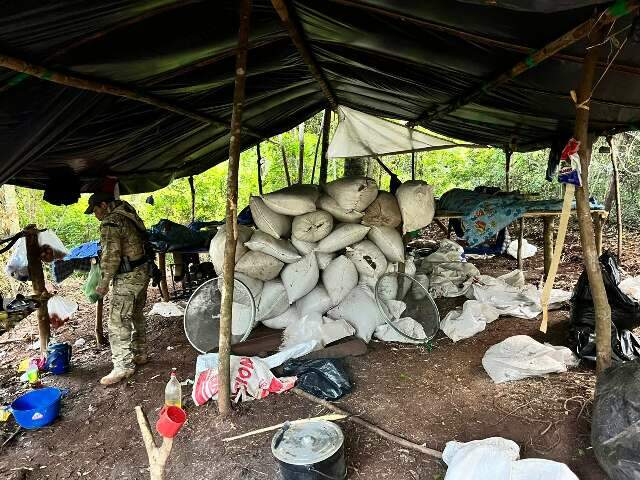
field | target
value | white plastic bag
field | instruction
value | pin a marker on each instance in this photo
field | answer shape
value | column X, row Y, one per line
column 18, row 266
column 631, row 287
column 521, row 356
column 60, row 310
column 528, row 250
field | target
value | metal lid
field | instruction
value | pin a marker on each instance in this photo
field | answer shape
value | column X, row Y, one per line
column 307, row 443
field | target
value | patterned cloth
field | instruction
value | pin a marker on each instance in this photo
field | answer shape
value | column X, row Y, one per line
column 78, row 260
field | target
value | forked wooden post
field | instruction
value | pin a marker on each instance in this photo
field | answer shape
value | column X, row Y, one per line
column 587, row 235
column 224, row 346
column 37, row 281
column 548, row 243
column 100, row 340
column 158, row 456
column 324, row 161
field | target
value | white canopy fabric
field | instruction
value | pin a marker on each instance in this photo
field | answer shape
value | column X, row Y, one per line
column 363, row 135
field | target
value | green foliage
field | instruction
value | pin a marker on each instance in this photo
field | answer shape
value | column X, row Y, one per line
column 444, row 169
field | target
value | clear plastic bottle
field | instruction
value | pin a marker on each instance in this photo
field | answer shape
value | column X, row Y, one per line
column 173, row 391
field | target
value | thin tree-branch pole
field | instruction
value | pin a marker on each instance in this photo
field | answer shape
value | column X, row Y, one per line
column 324, row 161
column 98, row 85
column 231, row 225
column 574, row 35
column 587, row 233
column 296, row 34
column 507, row 168
column 616, row 186
column 474, row 37
column 301, row 153
column 315, row 154
column 285, row 163
column 259, row 168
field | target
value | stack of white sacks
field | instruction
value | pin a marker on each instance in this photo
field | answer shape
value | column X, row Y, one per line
column 314, row 260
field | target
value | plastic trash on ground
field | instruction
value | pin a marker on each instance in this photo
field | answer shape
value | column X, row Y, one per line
column 60, row 310
column 167, row 309
column 631, row 287
column 497, row 458
column 528, row 249
column 615, row 427
column 521, row 356
column 324, row 378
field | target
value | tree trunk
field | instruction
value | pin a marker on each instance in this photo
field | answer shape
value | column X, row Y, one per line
column 10, row 208
column 587, row 234
column 354, row 167
column 231, row 225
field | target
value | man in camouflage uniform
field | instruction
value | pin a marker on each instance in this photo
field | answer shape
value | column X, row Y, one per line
column 123, row 262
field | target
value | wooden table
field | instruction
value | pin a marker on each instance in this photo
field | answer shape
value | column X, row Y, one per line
column 548, row 217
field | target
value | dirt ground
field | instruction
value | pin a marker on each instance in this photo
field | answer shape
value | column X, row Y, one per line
column 429, row 397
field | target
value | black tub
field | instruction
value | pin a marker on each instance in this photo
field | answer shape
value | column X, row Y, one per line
column 312, row 450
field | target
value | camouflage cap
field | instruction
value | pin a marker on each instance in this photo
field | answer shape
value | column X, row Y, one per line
column 96, row 199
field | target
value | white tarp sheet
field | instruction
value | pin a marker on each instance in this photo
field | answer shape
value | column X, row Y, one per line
column 362, row 135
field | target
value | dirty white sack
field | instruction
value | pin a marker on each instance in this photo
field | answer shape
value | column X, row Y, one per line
column 407, row 325
column 328, row 204
column 466, row 322
column 167, row 309
column 316, row 327
column 301, row 277
column 339, row 278
column 312, row 226
column 216, row 247
column 268, row 221
column 352, row 193
column 283, row 250
column 417, row 205
column 521, row 356
column 293, row 200
column 384, row 211
column 528, row 249
column 259, row 265
column 342, row 236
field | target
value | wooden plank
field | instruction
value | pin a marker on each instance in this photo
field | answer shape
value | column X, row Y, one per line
column 445, row 214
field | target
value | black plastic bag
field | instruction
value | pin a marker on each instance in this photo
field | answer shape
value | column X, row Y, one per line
column 625, row 346
column 625, row 311
column 615, row 427
column 168, row 236
column 325, row 378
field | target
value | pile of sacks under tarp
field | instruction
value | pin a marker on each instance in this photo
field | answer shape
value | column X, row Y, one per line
column 314, row 260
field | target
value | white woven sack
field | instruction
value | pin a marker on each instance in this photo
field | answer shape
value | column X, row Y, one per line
column 324, row 259
column 304, row 248
column 273, row 300
column 328, row 204
column 388, row 240
column 293, row 200
column 253, row 284
column 283, row 320
column 384, row 211
column 368, row 259
column 240, row 318
column 353, row 193
column 342, row 236
column 339, row 278
column 270, row 222
column 301, row 277
column 317, row 300
column 359, row 308
column 259, row 265
column 313, row 226
column 315, row 327
column 283, row 250
column 216, row 247
column 417, row 204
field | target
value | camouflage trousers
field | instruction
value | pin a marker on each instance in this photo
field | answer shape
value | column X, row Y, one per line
column 127, row 333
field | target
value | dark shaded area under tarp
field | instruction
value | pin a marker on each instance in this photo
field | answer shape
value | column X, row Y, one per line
column 375, row 60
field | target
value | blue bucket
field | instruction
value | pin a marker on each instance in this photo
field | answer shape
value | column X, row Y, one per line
column 38, row 408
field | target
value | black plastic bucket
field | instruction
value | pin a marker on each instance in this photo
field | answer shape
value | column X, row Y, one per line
column 310, row 451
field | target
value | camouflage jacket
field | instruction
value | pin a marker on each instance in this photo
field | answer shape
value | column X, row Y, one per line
column 120, row 236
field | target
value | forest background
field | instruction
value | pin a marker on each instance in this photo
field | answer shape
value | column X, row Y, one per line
column 444, row 169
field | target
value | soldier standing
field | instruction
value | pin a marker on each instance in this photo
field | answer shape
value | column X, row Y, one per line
column 123, row 262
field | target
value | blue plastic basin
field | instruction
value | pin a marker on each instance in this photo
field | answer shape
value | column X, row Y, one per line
column 38, row 408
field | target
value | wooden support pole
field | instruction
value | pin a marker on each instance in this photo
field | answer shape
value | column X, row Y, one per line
column 616, row 186
column 295, row 32
column 507, row 168
column 37, row 281
column 369, row 426
column 324, row 161
column 315, row 154
column 158, row 456
column 548, row 243
column 285, row 163
column 413, row 165
column 597, row 230
column 192, row 188
column 587, row 234
column 301, row 153
column 162, row 266
column 520, row 242
column 259, row 168
column 100, row 340
column 231, row 225
column 574, row 35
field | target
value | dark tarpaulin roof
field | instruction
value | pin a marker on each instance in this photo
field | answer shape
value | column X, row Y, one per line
column 375, row 60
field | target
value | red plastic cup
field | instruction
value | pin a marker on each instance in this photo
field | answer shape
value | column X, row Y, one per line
column 170, row 421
